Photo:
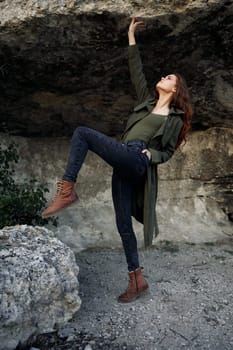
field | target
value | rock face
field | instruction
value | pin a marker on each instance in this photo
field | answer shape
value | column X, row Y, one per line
column 38, row 284
column 64, row 64
column 196, row 186
column 194, row 199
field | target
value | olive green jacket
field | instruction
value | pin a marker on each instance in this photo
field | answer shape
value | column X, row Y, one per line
column 161, row 146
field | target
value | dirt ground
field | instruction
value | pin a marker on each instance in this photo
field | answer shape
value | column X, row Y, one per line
column 189, row 305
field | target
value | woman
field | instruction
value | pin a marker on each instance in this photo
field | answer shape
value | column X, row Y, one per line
column 153, row 132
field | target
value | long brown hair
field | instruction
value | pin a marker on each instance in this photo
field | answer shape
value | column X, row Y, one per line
column 182, row 101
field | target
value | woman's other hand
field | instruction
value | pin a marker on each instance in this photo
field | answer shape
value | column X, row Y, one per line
column 134, row 24
column 147, row 153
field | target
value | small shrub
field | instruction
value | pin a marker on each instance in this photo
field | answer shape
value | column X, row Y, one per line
column 19, row 203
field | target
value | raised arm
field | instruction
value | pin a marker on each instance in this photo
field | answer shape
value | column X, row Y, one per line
column 135, row 64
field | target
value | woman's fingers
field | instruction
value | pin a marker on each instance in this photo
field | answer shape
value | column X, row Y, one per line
column 147, row 153
column 135, row 24
column 131, row 26
column 134, row 21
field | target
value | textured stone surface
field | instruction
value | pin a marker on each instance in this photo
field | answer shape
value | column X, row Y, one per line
column 196, row 188
column 189, row 305
column 195, row 191
column 64, row 63
column 38, row 284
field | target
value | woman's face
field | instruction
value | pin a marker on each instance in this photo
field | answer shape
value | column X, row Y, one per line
column 167, row 84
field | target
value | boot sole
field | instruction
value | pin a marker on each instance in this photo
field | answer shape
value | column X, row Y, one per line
column 57, row 211
column 143, row 293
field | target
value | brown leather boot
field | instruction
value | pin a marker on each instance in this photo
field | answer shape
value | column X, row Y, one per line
column 142, row 284
column 65, row 196
column 137, row 285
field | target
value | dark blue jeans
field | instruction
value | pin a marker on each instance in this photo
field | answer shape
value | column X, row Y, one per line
column 129, row 167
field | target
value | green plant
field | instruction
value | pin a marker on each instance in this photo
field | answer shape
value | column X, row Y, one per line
column 19, row 203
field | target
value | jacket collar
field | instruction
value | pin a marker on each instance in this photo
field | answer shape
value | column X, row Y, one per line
column 174, row 110
column 150, row 104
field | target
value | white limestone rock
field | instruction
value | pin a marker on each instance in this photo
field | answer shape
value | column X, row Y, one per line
column 38, row 283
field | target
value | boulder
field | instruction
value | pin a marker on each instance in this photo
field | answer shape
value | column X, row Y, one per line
column 38, row 284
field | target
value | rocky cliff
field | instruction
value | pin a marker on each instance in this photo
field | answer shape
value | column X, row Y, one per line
column 63, row 63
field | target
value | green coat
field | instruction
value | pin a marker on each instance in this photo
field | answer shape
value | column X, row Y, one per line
column 161, row 146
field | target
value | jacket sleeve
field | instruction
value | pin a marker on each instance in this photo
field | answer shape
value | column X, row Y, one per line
column 163, row 155
column 137, row 75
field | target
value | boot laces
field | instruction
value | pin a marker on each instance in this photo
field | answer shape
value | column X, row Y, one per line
column 58, row 191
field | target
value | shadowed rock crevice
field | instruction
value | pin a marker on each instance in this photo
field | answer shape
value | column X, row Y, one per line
column 59, row 71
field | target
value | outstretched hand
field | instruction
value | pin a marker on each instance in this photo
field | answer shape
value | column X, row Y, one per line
column 134, row 24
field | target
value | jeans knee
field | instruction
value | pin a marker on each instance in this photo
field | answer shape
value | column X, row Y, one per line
column 79, row 131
